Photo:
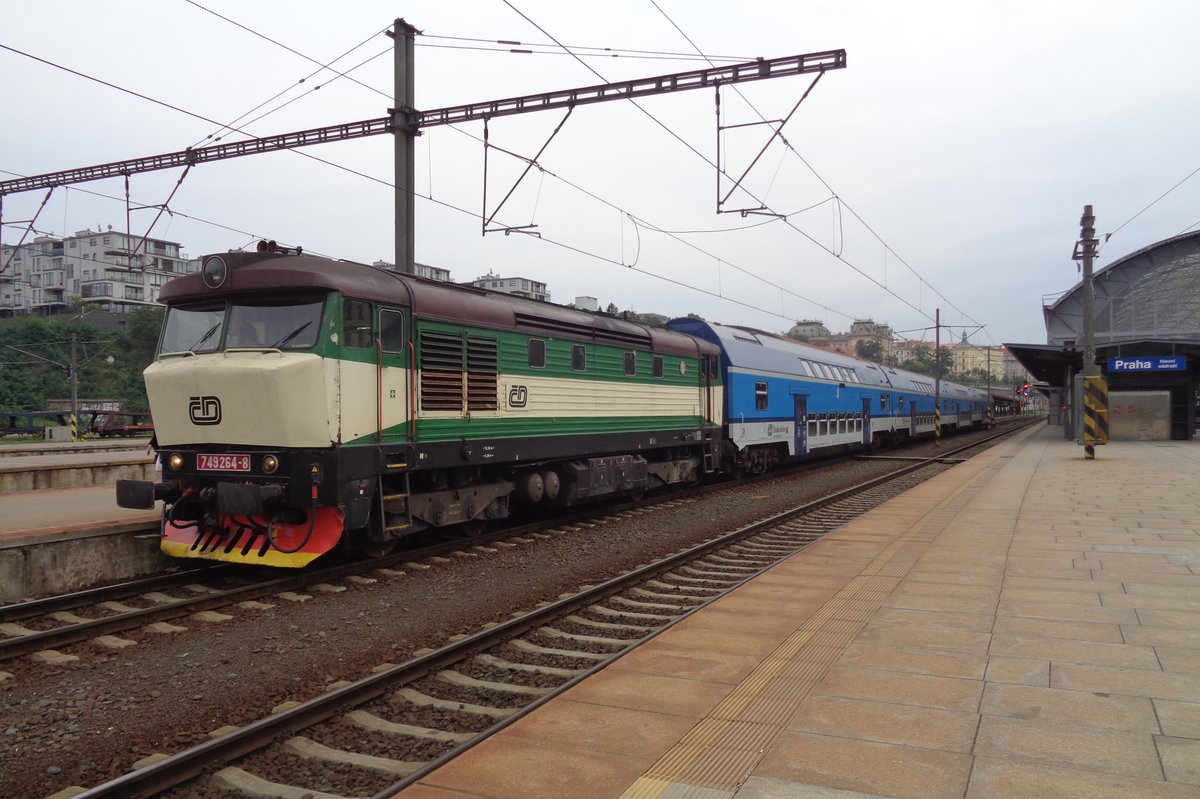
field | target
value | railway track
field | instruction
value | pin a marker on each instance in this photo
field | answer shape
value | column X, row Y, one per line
column 48, row 624
column 43, row 627
column 374, row 736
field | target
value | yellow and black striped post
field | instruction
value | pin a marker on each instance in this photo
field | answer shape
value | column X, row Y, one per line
column 1095, row 414
column 991, row 417
column 74, row 427
column 937, row 425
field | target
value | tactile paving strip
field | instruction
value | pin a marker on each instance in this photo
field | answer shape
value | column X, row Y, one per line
column 717, row 755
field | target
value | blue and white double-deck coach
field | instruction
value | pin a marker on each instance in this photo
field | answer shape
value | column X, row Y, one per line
column 785, row 399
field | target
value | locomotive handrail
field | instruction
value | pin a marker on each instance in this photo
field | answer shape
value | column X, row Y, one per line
column 228, row 350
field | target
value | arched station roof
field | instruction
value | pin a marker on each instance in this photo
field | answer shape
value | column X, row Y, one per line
column 1145, row 302
column 1153, row 293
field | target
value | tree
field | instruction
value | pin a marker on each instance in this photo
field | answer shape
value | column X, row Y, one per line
column 868, row 349
column 612, row 309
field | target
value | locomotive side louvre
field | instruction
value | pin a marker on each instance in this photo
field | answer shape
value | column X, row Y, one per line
column 502, row 395
column 304, row 400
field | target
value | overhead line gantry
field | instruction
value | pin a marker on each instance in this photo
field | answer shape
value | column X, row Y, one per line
column 406, row 122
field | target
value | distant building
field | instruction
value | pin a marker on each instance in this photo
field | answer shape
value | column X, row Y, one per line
column 860, row 330
column 46, row 276
column 587, row 303
column 520, row 286
column 809, row 329
column 997, row 361
column 423, row 270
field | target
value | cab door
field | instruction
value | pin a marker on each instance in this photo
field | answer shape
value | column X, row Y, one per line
column 394, row 374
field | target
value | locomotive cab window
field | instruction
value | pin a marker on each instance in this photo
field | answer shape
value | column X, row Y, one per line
column 578, row 358
column 631, row 363
column 195, row 328
column 391, row 330
column 290, row 325
column 537, row 353
column 356, row 323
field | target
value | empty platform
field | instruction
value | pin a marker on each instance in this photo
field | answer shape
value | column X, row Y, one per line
column 1026, row 624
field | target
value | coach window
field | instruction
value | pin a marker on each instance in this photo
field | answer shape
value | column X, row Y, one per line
column 537, row 353
column 631, row 363
column 900, row 402
column 658, row 366
column 391, row 330
column 760, row 396
column 884, row 402
column 578, row 358
column 356, row 323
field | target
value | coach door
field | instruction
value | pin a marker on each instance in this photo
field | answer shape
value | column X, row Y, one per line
column 866, row 414
column 801, row 431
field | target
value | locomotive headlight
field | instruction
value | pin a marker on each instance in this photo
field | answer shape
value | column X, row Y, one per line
column 215, row 271
column 175, row 461
column 270, row 463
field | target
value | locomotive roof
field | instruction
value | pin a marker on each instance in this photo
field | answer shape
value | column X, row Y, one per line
column 263, row 275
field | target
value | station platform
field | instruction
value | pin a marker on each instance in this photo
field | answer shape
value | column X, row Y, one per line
column 1026, row 624
column 29, row 517
column 60, row 526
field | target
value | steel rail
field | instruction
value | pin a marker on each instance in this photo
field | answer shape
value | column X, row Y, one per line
column 188, row 764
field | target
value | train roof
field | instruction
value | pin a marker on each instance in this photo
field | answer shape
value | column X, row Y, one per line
column 263, row 275
column 759, row 351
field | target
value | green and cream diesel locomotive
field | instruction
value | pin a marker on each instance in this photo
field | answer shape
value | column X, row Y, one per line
column 303, row 404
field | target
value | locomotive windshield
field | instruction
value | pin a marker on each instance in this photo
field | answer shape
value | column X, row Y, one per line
column 241, row 325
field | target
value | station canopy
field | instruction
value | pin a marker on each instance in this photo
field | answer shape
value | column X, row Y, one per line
column 1146, row 303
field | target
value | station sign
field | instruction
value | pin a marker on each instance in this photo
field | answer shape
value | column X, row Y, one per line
column 1151, row 363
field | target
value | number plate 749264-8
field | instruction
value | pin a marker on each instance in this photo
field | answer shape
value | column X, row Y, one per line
column 222, row 463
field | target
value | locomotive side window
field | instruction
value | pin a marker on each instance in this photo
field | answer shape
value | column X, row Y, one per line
column 658, row 366
column 391, row 330
column 578, row 358
column 760, row 396
column 356, row 323
column 631, row 363
column 537, row 353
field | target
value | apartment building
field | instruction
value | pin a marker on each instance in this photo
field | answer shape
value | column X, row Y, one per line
column 47, row 275
column 520, row 286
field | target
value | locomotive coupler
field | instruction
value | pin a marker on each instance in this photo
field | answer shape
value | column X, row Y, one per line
column 247, row 499
column 142, row 494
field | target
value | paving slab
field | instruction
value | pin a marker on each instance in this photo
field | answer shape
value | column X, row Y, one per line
column 1016, row 627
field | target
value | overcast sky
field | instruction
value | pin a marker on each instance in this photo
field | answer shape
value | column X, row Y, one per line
column 946, row 167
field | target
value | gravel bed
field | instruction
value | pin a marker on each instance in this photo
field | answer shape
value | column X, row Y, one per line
column 379, row 744
column 87, row 722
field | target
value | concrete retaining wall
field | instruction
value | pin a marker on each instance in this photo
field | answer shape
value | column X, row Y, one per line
column 68, row 563
column 38, row 477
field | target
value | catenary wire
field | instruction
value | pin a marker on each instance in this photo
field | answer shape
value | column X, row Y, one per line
column 707, row 160
column 840, row 200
